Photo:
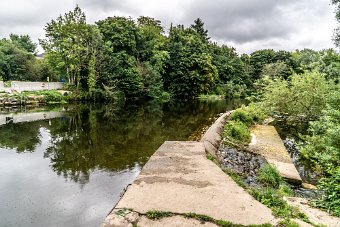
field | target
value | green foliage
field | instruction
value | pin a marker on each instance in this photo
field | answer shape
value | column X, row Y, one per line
column 274, row 200
column 237, row 131
column 288, row 223
column 252, row 114
column 242, row 116
column 330, row 200
column 69, row 44
column 302, row 97
column 190, row 71
column 154, row 215
column 269, row 176
column 24, row 42
column 15, row 62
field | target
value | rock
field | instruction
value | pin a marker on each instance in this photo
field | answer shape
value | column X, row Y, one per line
column 309, row 186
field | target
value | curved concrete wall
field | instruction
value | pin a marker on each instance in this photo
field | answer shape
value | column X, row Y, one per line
column 212, row 137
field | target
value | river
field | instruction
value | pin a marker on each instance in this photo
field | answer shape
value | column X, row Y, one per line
column 68, row 165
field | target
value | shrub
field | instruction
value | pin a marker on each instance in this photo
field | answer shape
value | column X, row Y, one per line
column 302, row 97
column 237, row 131
column 269, row 176
column 330, row 201
column 242, row 116
column 248, row 115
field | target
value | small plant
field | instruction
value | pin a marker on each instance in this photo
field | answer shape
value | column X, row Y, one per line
column 241, row 115
column 237, row 131
column 210, row 157
column 269, row 176
column 288, row 223
column 238, row 179
column 154, row 215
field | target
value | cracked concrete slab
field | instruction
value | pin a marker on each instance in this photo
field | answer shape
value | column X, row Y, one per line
column 179, row 178
column 267, row 142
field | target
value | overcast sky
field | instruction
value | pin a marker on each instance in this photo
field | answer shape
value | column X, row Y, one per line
column 247, row 25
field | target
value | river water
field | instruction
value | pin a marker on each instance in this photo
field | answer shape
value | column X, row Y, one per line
column 68, row 165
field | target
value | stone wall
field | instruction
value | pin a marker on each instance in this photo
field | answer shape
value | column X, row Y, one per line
column 19, row 86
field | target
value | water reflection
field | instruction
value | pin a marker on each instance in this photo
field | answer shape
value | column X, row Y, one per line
column 98, row 148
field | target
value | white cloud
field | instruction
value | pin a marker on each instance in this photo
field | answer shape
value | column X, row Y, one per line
column 247, row 25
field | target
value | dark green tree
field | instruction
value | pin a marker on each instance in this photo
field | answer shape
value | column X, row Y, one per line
column 190, row 71
column 24, row 42
column 120, row 51
column 198, row 27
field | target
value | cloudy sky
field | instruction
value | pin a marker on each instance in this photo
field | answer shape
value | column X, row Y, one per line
column 247, row 25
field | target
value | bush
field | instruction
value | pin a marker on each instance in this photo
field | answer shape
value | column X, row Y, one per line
column 237, row 131
column 269, row 176
column 330, row 201
column 242, row 116
column 303, row 97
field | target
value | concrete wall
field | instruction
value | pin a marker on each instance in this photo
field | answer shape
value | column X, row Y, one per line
column 212, row 137
column 3, row 88
column 19, row 86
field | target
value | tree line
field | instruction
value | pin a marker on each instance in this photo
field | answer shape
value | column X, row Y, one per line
column 120, row 57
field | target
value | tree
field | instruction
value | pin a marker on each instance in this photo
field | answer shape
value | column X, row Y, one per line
column 16, row 63
column 190, row 71
column 67, row 43
column 336, row 37
column 120, row 50
column 152, row 55
column 24, row 42
column 198, row 27
column 303, row 97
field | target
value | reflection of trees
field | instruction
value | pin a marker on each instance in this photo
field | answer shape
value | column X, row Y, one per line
column 23, row 137
column 111, row 137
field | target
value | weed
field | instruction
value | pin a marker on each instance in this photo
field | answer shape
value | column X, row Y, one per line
column 242, row 116
column 269, row 176
column 210, row 157
column 154, row 215
column 238, row 179
column 237, row 131
column 288, row 223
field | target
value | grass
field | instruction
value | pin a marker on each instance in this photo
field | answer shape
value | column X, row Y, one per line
column 156, row 215
column 237, row 132
column 269, row 176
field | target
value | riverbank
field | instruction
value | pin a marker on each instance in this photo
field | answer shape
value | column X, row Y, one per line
column 181, row 184
column 36, row 97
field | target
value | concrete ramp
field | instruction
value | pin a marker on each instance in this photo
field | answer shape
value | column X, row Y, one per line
column 267, row 142
column 179, row 178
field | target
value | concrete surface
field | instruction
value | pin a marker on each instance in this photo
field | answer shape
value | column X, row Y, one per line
column 315, row 215
column 267, row 142
column 141, row 221
column 180, row 179
column 212, row 137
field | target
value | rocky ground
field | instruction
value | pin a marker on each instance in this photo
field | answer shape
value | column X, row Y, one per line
column 243, row 163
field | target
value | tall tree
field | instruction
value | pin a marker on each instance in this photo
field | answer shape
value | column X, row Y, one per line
column 190, row 71
column 68, row 39
column 198, row 27
column 25, row 42
column 336, row 37
column 120, row 51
